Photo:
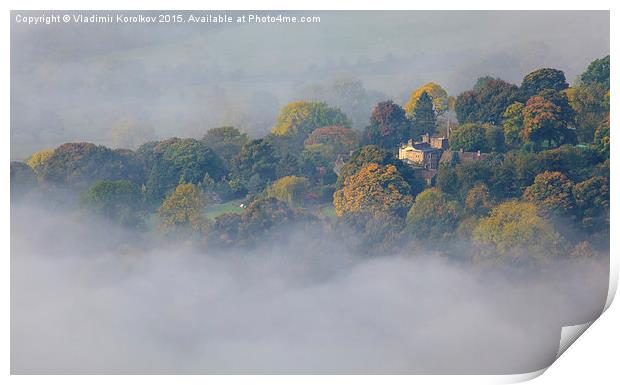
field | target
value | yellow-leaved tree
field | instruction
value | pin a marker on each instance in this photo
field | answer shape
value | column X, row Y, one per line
column 184, row 209
column 516, row 233
column 374, row 188
column 300, row 118
column 37, row 160
column 289, row 189
column 433, row 217
column 438, row 95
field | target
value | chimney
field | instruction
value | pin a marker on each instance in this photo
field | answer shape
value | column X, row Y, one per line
column 410, row 142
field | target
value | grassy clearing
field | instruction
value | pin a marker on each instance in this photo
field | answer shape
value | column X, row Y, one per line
column 214, row 210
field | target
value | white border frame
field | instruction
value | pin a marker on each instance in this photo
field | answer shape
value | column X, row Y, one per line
column 564, row 377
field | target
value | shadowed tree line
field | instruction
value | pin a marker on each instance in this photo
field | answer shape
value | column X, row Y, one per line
column 540, row 193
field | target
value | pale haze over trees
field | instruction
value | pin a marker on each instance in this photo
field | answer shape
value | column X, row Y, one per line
column 79, row 82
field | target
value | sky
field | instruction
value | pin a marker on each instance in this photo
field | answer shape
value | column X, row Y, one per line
column 76, row 82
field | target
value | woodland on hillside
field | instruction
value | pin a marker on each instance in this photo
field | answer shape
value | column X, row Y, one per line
column 540, row 194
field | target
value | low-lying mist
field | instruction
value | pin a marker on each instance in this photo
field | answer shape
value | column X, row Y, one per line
column 87, row 297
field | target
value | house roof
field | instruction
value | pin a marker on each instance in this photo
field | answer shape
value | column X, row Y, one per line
column 420, row 149
column 463, row 156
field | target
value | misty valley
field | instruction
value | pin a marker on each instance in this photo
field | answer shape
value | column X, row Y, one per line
column 347, row 232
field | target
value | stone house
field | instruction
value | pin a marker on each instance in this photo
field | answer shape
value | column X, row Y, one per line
column 424, row 154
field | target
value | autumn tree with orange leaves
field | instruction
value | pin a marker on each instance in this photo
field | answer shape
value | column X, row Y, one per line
column 543, row 123
column 374, row 188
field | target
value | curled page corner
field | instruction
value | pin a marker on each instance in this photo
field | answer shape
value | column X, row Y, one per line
column 570, row 334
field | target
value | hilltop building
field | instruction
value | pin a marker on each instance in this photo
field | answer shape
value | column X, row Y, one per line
column 424, row 154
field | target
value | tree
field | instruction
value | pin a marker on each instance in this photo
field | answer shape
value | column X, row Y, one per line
column 478, row 200
column 178, row 161
column 78, row 165
column 298, row 119
column 433, row 217
column 543, row 123
column 362, row 157
column 288, row 164
column 226, row 229
column 493, row 99
column 515, row 234
column 317, row 167
column 469, row 137
column 513, row 124
column 470, row 174
column 576, row 162
column 447, row 179
column 23, row 179
column 601, row 137
column 373, row 154
column 592, row 201
column 423, row 116
column 560, row 99
column 552, row 191
column 584, row 251
column 482, row 81
column 256, row 159
column 259, row 222
column 225, row 141
column 183, row 209
column 284, row 145
column 542, row 79
column 374, row 188
column 438, row 95
column 513, row 174
column 487, row 103
column 457, row 178
column 118, row 201
column 373, row 234
column 38, row 160
column 266, row 214
column 494, row 138
column 333, row 141
column 590, row 104
column 388, row 127
column 597, row 73
column 466, row 107
column 290, row 189
column 509, row 175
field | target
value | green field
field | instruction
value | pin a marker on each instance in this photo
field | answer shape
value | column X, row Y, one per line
column 214, row 210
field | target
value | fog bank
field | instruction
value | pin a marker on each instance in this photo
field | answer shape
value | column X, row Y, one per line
column 90, row 298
